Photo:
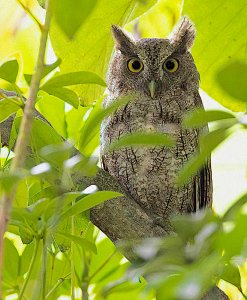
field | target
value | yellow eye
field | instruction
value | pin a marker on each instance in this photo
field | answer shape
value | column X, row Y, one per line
column 171, row 65
column 135, row 65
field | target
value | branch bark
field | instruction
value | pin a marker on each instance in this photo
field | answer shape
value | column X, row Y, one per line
column 121, row 218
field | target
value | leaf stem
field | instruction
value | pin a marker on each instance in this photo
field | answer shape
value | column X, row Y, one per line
column 24, row 134
column 59, row 282
column 102, row 266
column 29, row 269
column 72, row 257
column 85, row 281
column 44, row 266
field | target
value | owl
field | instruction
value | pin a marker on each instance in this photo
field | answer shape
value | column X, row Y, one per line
column 161, row 80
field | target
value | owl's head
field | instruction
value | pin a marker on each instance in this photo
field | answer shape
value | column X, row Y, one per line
column 153, row 66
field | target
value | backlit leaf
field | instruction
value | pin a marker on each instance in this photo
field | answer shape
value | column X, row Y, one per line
column 200, row 117
column 9, row 71
column 73, row 78
column 139, row 139
column 8, row 106
column 88, row 202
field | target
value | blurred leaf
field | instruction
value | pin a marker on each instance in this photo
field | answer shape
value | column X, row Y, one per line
column 42, row 3
column 217, row 45
column 96, row 39
column 233, row 79
column 234, row 240
column 231, row 274
column 84, row 243
column 46, row 71
column 40, row 169
column 73, row 78
column 9, row 71
column 158, row 21
column 200, row 117
column 10, row 261
column 56, row 154
column 208, row 143
column 187, row 226
column 71, row 15
column 64, row 94
column 88, row 202
column 119, row 286
column 96, row 116
column 231, row 213
column 197, row 279
column 86, row 166
column 140, row 139
column 8, row 106
column 8, row 180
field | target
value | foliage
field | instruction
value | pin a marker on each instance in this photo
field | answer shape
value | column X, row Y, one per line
column 51, row 246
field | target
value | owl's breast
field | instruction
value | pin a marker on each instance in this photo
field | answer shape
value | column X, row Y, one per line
column 148, row 174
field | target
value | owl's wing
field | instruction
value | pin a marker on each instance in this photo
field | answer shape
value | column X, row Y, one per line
column 203, row 188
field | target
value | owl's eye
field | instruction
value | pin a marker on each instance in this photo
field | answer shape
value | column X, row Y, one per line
column 171, row 65
column 135, row 65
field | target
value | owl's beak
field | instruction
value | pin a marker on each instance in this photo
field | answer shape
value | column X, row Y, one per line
column 152, row 87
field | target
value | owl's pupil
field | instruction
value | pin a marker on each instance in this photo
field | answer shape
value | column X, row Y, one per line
column 136, row 65
column 170, row 65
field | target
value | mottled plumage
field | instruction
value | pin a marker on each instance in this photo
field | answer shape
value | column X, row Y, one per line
column 159, row 99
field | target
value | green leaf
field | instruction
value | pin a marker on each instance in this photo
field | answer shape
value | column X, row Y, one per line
column 64, row 94
column 71, row 15
column 231, row 274
column 25, row 258
column 88, row 202
column 42, row 3
column 8, row 180
column 92, row 124
column 92, row 46
column 11, row 262
column 53, row 109
column 188, row 226
column 8, row 106
column 43, row 134
column 233, row 210
column 200, row 117
column 218, row 45
column 73, row 78
column 46, row 71
column 56, row 154
column 9, row 71
column 208, row 143
column 233, row 79
column 84, row 243
column 141, row 138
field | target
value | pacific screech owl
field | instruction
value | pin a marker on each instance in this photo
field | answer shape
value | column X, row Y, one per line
column 162, row 81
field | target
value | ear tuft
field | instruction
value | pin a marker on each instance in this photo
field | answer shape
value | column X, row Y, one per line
column 123, row 41
column 184, row 35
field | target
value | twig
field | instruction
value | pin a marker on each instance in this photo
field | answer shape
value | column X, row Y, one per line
column 102, row 266
column 24, row 134
column 44, row 266
column 28, row 11
column 59, row 282
column 72, row 257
